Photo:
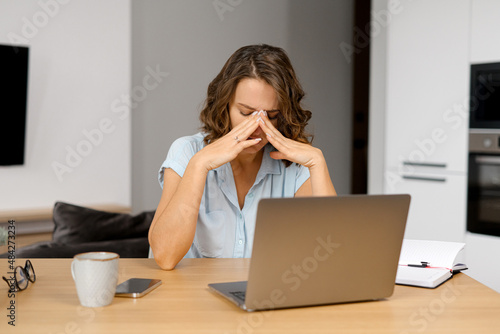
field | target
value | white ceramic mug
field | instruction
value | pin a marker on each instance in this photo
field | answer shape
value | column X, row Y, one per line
column 96, row 276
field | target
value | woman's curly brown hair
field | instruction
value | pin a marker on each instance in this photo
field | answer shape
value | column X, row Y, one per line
column 270, row 64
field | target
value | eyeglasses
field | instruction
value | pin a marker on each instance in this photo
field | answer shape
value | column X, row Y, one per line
column 21, row 277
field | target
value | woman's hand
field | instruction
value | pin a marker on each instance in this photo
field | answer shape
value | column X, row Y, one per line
column 288, row 149
column 227, row 148
column 320, row 183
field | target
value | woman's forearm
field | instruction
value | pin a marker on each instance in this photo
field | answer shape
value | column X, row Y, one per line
column 321, row 183
column 173, row 228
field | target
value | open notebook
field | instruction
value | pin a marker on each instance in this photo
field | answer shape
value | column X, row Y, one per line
column 428, row 263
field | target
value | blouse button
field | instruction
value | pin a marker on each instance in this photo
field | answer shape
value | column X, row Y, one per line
column 240, row 242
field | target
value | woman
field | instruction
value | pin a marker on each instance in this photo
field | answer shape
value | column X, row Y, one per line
column 253, row 145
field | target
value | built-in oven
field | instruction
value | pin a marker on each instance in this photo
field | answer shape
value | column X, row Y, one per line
column 483, row 199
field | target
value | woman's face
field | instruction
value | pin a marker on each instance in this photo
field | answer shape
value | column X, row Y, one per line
column 253, row 95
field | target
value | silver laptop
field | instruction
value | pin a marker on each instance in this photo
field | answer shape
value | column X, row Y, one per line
column 322, row 250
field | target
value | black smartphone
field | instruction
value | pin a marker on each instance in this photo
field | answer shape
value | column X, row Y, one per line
column 136, row 287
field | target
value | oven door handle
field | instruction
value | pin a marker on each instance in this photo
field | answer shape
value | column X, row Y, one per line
column 487, row 160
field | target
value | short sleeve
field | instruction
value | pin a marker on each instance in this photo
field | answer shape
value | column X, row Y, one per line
column 301, row 176
column 179, row 154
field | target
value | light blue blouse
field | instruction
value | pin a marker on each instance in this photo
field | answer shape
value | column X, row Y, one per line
column 223, row 229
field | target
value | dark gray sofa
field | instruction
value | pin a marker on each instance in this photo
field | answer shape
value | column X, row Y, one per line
column 79, row 229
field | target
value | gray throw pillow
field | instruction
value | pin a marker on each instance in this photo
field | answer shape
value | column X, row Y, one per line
column 76, row 224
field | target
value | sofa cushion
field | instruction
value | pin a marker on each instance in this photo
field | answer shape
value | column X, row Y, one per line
column 129, row 248
column 75, row 224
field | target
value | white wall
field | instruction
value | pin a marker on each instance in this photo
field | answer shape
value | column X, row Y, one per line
column 80, row 63
column 80, row 75
column 191, row 41
column 317, row 29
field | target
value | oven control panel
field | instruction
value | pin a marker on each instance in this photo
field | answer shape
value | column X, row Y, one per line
column 484, row 142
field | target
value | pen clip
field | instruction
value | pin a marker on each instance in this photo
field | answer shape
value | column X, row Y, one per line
column 423, row 264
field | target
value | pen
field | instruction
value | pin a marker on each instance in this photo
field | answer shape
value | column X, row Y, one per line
column 422, row 264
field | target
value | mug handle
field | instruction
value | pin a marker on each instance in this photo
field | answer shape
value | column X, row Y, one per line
column 73, row 270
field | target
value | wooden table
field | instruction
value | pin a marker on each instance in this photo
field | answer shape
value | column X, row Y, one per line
column 184, row 304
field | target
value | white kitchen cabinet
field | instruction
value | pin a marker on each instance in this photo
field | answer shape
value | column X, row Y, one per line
column 485, row 22
column 427, row 84
column 481, row 258
column 438, row 203
column 426, row 116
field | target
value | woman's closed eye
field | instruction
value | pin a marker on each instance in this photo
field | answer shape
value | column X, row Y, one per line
column 271, row 115
column 246, row 113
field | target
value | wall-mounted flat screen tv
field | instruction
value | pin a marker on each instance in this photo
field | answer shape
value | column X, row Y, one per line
column 13, row 94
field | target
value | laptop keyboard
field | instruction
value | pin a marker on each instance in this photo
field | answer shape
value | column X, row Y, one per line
column 239, row 294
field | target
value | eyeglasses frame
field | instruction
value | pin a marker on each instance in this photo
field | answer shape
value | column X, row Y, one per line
column 25, row 271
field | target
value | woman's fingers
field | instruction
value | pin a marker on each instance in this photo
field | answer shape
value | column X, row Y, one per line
column 288, row 149
column 243, row 130
column 267, row 125
column 273, row 135
column 227, row 148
